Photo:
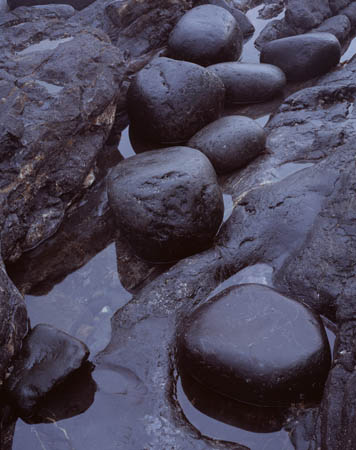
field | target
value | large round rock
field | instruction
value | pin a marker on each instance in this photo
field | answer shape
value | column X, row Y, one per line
column 167, row 203
column 230, row 142
column 169, row 101
column 304, row 56
column 257, row 346
column 250, row 83
column 207, row 34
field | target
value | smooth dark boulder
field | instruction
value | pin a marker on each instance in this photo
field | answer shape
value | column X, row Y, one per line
column 249, row 83
column 77, row 4
column 242, row 20
column 304, row 56
column 306, row 14
column 255, row 345
column 339, row 26
column 48, row 356
column 230, row 142
column 205, row 35
column 168, row 101
column 166, row 203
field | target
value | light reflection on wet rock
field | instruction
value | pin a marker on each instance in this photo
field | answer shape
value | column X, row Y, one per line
column 257, row 346
column 205, row 35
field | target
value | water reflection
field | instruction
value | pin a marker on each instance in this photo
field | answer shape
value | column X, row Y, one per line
column 83, row 303
column 223, row 418
column 45, row 44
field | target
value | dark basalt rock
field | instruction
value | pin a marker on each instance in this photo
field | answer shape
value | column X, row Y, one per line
column 304, row 14
column 242, row 20
column 350, row 12
column 206, row 35
column 304, row 56
column 339, row 26
column 48, row 356
column 169, row 101
column 257, row 346
column 167, row 203
column 77, row 4
column 230, row 142
column 249, row 83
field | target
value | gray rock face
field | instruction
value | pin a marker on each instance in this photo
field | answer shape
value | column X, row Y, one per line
column 249, row 83
column 304, row 15
column 67, row 83
column 257, row 346
column 169, row 101
column 230, row 142
column 339, row 26
column 167, row 203
column 206, row 35
column 304, row 56
column 47, row 357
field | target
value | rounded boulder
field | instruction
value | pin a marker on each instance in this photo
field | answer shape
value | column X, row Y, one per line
column 205, row 35
column 230, row 142
column 304, row 56
column 249, row 83
column 166, row 203
column 168, row 101
column 255, row 345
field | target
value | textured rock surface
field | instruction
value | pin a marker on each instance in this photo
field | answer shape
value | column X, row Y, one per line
column 167, row 203
column 77, row 4
column 230, row 142
column 304, row 56
column 256, row 346
column 169, row 101
column 205, row 35
column 48, row 356
column 249, row 83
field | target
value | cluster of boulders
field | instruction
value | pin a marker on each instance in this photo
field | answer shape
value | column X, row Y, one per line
column 249, row 343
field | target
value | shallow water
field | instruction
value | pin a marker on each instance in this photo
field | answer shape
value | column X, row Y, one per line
column 52, row 89
column 46, row 44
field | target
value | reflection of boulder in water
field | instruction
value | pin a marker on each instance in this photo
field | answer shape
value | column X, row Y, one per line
column 242, row 415
column 72, row 397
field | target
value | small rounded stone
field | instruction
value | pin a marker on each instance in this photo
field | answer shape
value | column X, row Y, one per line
column 230, row 142
column 205, row 35
column 255, row 345
column 167, row 203
column 168, row 101
column 249, row 83
column 304, row 56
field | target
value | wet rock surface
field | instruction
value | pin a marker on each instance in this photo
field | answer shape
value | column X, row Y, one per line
column 168, row 100
column 167, row 202
column 206, row 35
column 249, row 83
column 230, row 142
column 256, row 346
column 48, row 356
column 77, row 4
column 304, row 56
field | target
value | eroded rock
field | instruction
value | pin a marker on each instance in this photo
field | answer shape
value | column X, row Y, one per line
column 169, row 101
column 230, row 142
column 167, row 202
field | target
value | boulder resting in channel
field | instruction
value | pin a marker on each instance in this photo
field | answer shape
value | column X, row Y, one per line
column 255, row 345
column 167, row 203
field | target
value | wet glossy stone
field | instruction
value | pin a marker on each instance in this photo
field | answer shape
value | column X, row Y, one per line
column 249, row 83
column 205, row 35
column 77, row 4
column 169, row 101
column 230, row 142
column 257, row 346
column 304, row 56
column 166, row 203
column 47, row 358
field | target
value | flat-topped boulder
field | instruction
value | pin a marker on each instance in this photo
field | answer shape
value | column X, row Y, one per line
column 205, row 35
column 230, row 142
column 255, row 345
column 169, row 100
column 249, row 83
column 304, row 56
column 167, row 203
